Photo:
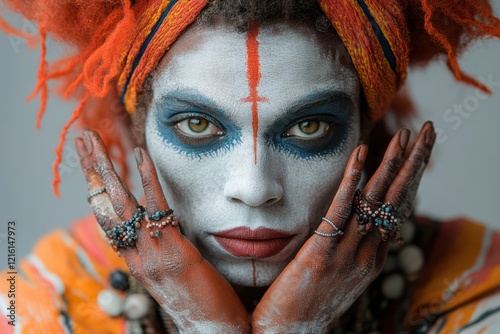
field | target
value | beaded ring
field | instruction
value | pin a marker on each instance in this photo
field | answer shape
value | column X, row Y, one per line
column 337, row 231
column 125, row 234
column 385, row 218
column 95, row 193
column 156, row 220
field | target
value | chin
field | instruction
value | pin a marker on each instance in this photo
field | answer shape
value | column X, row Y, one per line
column 250, row 272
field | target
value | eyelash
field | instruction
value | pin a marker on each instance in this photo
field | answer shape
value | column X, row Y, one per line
column 326, row 126
column 328, row 142
column 176, row 120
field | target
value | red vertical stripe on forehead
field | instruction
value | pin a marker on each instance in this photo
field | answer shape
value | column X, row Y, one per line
column 253, row 76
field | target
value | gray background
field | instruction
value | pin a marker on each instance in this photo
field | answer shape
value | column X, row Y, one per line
column 462, row 181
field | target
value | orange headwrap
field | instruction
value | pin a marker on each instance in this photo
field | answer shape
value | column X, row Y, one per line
column 119, row 43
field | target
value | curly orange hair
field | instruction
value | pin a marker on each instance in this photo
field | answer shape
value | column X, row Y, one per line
column 382, row 37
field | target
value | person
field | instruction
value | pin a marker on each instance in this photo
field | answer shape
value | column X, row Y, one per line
column 257, row 122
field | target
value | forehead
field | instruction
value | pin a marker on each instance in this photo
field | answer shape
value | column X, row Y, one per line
column 286, row 62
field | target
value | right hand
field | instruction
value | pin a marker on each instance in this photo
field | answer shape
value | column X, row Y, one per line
column 186, row 286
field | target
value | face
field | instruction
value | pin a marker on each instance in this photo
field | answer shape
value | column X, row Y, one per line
column 250, row 133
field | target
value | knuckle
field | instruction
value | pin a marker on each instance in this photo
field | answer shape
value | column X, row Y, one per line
column 354, row 174
column 136, row 272
column 173, row 262
column 147, row 183
column 152, row 271
column 342, row 213
column 421, row 156
column 119, row 209
column 392, row 165
column 363, row 272
column 400, row 193
column 368, row 265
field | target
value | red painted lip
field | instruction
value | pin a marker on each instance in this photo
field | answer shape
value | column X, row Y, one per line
column 259, row 243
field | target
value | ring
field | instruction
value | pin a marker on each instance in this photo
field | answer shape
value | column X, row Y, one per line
column 337, row 231
column 125, row 234
column 95, row 193
column 160, row 214
column 385, row 218
column 156, row 220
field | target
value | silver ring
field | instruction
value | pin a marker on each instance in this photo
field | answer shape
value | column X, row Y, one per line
column 95, row 193
column 337, row 231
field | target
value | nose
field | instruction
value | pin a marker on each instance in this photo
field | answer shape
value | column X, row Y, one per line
column 254, row 184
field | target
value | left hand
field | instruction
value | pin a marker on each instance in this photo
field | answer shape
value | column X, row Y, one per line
column 188, row 288
column 328, row 274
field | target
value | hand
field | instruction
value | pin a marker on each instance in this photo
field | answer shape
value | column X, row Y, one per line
column 329, row 273
column 188, row 288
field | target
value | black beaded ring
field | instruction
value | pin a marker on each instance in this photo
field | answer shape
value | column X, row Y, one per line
column 158, row 215
column 125, row 234
column 385, row 218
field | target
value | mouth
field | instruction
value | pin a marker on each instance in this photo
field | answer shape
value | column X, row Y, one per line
column 257, row 244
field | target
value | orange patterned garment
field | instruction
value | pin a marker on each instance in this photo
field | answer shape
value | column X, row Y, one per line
column 58, row 283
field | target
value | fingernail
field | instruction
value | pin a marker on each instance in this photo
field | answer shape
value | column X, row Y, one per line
column 362, row 152
column 138, row 156
column 404, row 137
column 88, row 142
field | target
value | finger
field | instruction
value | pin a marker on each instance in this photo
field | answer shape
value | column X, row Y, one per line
column 404, row 188
column 377, row 186
column 100, row 204
column 155, row 202
column 368, row 245
column 340, row 209
column 152, row 189
column 124, row 203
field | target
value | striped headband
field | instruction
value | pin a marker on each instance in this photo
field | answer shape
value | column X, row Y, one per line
column 375, row 35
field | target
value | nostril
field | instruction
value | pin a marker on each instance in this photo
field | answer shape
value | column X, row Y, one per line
column 235, row 200
column 271, row 201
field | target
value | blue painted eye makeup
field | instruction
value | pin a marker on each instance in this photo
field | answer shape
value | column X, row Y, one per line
column 319, row 126
column 194, row 125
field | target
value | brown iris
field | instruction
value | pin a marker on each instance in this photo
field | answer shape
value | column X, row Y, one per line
column 198, row 124
column 309, row 127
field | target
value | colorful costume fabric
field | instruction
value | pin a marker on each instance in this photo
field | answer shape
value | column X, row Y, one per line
column 58, row 283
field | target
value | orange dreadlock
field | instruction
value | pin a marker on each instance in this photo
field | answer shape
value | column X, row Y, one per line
column 106, row 36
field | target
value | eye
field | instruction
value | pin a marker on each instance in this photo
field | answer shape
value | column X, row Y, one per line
column 198, row 127
column 308, row 129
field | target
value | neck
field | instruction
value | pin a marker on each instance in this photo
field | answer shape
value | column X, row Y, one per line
column 249, row 296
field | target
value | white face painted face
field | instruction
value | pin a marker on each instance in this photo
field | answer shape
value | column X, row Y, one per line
column 250, row 133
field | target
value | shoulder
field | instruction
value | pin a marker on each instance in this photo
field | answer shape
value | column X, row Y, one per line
column 54, row 289
column 461, row 280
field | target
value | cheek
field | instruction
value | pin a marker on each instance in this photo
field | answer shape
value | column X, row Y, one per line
column 313, row 184
column 187, row 182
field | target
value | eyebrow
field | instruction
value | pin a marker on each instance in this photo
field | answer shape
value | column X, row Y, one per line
column 189, row 98
column 316, row 99
column 183, row 100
